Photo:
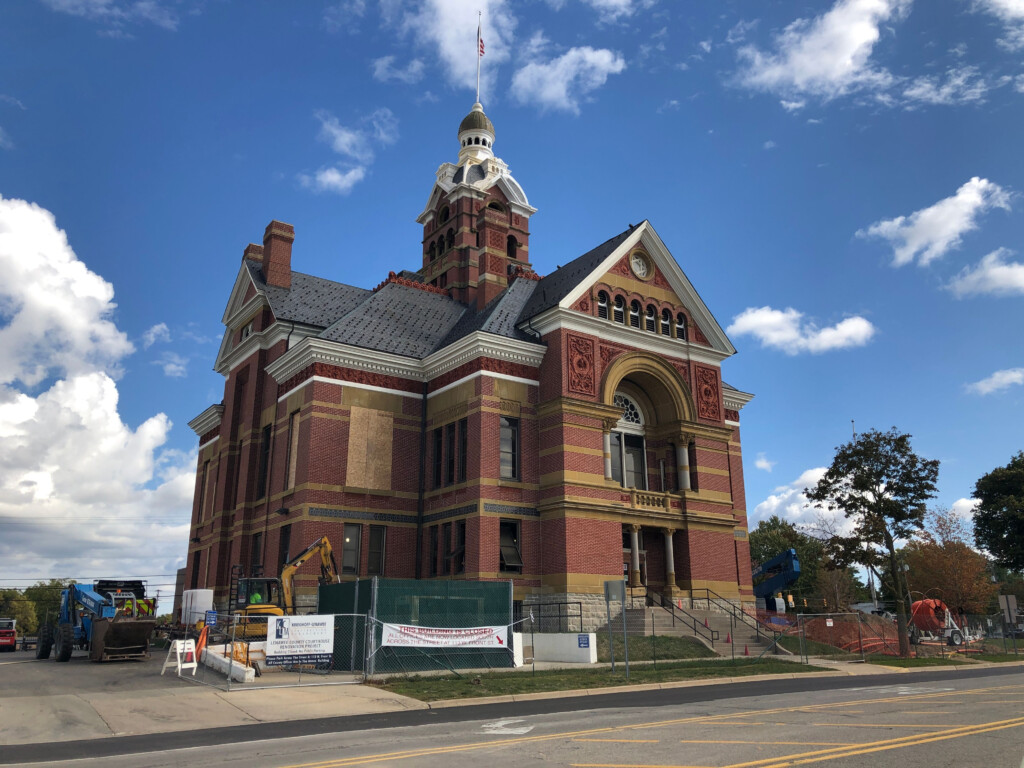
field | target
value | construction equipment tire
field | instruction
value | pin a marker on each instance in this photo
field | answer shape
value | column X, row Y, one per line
column 44, row 641
column 956, row 637
column 64, row 643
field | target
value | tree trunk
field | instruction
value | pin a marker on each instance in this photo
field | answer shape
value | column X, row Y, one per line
column 901, row 604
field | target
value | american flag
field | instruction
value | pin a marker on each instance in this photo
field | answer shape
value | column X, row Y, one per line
column 479, row 39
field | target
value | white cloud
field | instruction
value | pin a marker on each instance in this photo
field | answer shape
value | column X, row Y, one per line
column 173, row 365
column 344, row 15
column 705, row 45
column 79, row 488
column 1018, row 83
column 613, row 10
column 769, row 144
column 930, row 232
column 119, row 12
column 964, row 508
column 739, row 32
column 445, row 27
column 828, row 56
column 785, row 330
column 561, row 83
column 998, row 381
column 6, row 99
column 962, row 85
column 762, row 462
column 790, row 503
column 5, row 140
column 993, row 275
column 57, row 313
column 793, row 106
column 670, row 105
column 159, row 332
column 332, row 179
column 1011, row 13
column 352, row 142
column 384, row 69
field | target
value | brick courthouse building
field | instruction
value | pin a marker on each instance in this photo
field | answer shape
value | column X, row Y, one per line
column 473, row 420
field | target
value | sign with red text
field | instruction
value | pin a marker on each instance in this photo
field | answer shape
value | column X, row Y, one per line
column 411, row 636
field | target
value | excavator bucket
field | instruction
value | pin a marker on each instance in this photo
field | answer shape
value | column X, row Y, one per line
column 122, row 637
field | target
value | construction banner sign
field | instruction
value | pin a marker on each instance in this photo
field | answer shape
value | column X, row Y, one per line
column 410, row 636
column 299, row 640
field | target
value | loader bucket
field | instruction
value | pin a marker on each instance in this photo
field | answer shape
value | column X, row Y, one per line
column 122, row 637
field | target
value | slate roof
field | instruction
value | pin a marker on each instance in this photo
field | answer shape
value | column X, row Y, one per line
column 311, row 300
column 475, row 173
column 398, row 319
column 499, row 317
column 557, row 285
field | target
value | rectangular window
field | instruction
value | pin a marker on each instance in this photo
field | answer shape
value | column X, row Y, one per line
column 691, row 452
column 634, row 462
column 256, row 555
column 350, row 549
column 446, row 548
column 261, row 477
column 508, row 541
column 377, row 537
column 438, row 443
column 463, row 449
column 195, row 570
column 459, row 550
column 449, row 454
column 284, row 543
column 433, row 550
column 203, row 488
column 509, row 448
column 293, row 450
column 616, row 443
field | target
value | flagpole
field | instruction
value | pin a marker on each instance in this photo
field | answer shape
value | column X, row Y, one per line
column 478, row 23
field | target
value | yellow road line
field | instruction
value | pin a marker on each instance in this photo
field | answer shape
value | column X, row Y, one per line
column 701, row 719
column 786, row 743
column 876, row 725
column 625, row 741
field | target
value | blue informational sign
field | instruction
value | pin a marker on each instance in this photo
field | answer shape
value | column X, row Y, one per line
column 583, row 640
column 211, row 618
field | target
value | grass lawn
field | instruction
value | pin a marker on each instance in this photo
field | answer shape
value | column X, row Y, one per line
column 815, row 648
column 920, row 661
column 641, row 648
column 997, row 658
column 505, row 683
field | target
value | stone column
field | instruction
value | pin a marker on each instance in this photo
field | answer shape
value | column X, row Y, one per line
column 634, row 555
column 607, row 455
column 683, row 463
column 670, row 562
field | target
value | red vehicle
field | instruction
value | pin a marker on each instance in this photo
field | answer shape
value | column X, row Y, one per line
column 8, row 635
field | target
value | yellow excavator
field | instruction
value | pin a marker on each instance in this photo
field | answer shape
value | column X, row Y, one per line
column 260, row 596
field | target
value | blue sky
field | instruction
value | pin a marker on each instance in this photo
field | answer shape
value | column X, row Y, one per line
column 841, row 181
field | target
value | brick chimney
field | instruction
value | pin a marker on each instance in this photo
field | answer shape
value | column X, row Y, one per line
column 253, row 252
column 277, row 254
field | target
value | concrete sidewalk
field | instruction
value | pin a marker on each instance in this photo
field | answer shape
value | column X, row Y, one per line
column 162, row 705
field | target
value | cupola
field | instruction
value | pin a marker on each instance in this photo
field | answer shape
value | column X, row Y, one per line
column 476, row 136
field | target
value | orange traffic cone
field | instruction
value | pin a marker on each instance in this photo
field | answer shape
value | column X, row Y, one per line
column 746, row 651
column 728, row 637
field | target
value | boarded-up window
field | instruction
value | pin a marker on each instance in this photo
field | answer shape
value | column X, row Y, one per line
column 370, row 436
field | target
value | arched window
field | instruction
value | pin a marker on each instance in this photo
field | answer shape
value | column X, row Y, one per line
column 432, row 252
column 602, row 305
column 511, row 247
column 628, row 447
column 681, row 326
column 450, row 238
column 440, row 245
column 619, row 312
column 495, row 206
column 666, row 323
column 445, row 214
column 650, row 319
column 634, row 314
column 476, row 140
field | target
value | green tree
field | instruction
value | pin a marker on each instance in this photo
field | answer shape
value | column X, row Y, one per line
column 881, row 486
column 774, row 536
column 14, row 605
column 45, row 596
column 999, row 516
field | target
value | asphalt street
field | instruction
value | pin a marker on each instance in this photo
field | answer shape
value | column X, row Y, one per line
column 933, row 718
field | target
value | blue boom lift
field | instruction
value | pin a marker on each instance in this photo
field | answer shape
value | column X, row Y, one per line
column 112, row 619
column 781, row 571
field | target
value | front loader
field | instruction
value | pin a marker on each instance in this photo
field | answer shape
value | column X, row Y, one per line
column 111, row 619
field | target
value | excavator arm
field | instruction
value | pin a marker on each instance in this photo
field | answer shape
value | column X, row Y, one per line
column 328, row 569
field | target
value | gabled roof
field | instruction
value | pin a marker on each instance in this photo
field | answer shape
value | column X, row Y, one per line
column 398, row 319
column 311, row 300
column 499, row 317
column 557, row 285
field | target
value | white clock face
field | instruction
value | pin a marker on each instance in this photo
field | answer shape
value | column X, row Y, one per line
column 640, row 267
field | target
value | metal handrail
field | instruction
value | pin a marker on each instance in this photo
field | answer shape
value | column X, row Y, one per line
column 711, row 635
column 721, row 602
